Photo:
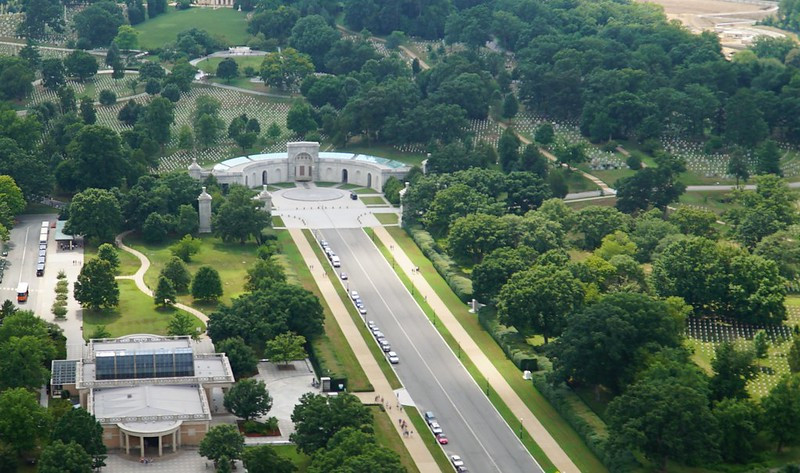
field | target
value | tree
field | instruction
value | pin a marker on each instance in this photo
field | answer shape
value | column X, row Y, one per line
column 155, row 228
column 761, row 344
column 768, row 157
column 94, row 213
column 101, row 331
column 617, row 243
column 11, row 195
column 649, row 187
column 107, row 97
column 228, row 69
column 317, row 418
column 182, row 324
column 744, row 121
column 222, row 441
column 285, row 68
column 665, row 415
column 286, row 347
column 794, row 354
column 540, row 299
column 22, row 419
column 263, row 274
column 152, row 87
column 510, row 106
column 127, row 38
column 300, row 119
column 597, row 222
column 242, row 358
column 53, row 73
column 508, row 149
column 158, row 116
column 81, row 427
column 738, row 421
column 263, row 459
column 545, row 134
column 312, row 35
column 246, row 140
column 66, row 98
column 354, row 450
column 40, row 15
column 248, row 399
column 732, row 370
column 88, row 113
column 172, row 93
column 99, row 158
column 108, row 252
column 96, row 287
column 737, row 167
column 177, row 274
column 781, row 411
column 206, row 121
column 99, row 23
column 694, row 221
column 182, row 75
column 206, row 285
column 474, row 236
column 165, row 293
column 23, row 362
column 7, row 309
column 609, row 341
column 187, row 220
column 80, row 64
column 185, row 248
column 762, row 212
column 240, row 217
column 59, row 457
column 186, row 141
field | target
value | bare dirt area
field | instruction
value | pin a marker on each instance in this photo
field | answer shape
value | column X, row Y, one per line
column 733, row 20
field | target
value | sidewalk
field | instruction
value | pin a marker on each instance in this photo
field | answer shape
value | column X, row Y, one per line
column 535, row 428
column 416, row 447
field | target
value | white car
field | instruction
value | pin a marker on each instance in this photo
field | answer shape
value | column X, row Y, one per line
column 343, row 276
column 371, row 324
column 323, row 243
column 362, row 310
column 354, row 295
column 393, row 358
column 456, row 461
column 436, row 428
column 359, row 302
column 385, row 345
column 378, row 334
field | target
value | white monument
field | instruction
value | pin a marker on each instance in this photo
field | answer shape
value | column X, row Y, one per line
column 266, row 199
column 204, row 211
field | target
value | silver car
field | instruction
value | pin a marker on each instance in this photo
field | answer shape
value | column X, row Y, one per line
column 393, row 358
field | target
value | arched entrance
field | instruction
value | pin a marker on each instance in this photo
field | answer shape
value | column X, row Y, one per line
column 263, row 177
column 369, row 180
column 344, row 175
column 245, row 180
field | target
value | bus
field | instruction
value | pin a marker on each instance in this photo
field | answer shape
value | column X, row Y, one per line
column 22, row 292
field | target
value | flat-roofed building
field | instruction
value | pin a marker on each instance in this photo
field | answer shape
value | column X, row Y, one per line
column 145, row 390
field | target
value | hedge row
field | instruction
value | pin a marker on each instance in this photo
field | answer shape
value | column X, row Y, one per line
column 321, row 368
column 513, row 344
column 447, row 268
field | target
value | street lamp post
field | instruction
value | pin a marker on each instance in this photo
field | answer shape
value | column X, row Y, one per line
column 520, row 428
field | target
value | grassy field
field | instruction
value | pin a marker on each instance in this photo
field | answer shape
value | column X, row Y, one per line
column 604, row 202
column 299, row 459
column 225, row 23
column 331, row 348
column 560, row 430
column 387, row 218
column 128, row 264
column 277, row 221
column 373, row 200
column 387, row 370
column 388, row 437
column 209, row 65
column 610, row 176
column 715, row 201
column 577, row 183
column 384, row 151
column 231, row 260
column 136, row 313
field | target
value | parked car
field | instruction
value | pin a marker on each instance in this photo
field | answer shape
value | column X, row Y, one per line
column 456, row 461
column 343, row 276
column 436, row 428
column 323, row 243
column 354, row 295
column 393, row 358
column 353, row 196
column 371, row 324
column 385, row 345
column 442, row 439
column 362, row 310
column 378, row 334
column 5, row 251
column 429, row 417
column 359, row 302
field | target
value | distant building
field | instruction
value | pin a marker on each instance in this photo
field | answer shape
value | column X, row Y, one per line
column 303, row 162
column 147, row 391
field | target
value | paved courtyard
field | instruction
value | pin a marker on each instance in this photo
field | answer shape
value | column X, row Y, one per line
column 184, row 461
column 309, row 206
column 286, row 386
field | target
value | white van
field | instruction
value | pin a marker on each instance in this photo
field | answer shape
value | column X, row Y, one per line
column 335, row 261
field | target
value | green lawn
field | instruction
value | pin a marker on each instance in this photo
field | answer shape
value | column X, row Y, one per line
column 226, row 23
column 299, row 459
column 377, row 353
column 332, row 349
column 384, row 151
column 610, row 176
column 604, row 202
column 373, row 200
column 128, row 264
column 421, row 428
column 277, row 221
column 577, row 183
column 388, row 437
column 209, row 65
column 715, row 201
column 387, row 218
column 561, row 431
column 136, row 313
column 231, row 260
column 37, row 208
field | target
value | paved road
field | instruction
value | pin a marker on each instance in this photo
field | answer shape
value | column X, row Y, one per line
column 22, row 257
column 430, row 371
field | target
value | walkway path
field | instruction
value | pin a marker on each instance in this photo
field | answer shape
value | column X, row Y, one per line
column 416, row 447
column 535, row 428
column 138, row 277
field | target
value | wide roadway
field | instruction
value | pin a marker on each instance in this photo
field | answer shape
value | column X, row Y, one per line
column 23, row 253
column 428, row 369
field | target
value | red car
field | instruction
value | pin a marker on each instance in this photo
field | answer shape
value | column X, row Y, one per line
column 442, row 439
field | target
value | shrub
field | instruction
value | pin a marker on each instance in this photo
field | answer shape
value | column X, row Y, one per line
column 445, row 266
column 62, row 287
column 510, row 341
column 61, row 297
column 610, row 146
column 61, row 275
column 634, row 161
column 107, row 97
column 60, row 311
